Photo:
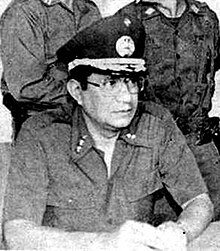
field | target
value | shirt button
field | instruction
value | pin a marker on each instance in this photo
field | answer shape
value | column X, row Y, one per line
column 178, row 79
column 177, row 56
column 110, row 221
column 70, row 201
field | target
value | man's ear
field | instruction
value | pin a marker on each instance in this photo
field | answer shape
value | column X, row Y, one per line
column 74, row 89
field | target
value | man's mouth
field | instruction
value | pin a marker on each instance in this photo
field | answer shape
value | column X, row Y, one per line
column 124, row 111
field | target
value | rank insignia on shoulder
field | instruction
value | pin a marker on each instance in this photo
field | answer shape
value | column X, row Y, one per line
column 195, row 8
column 149, row 11
column 80, row 143
column 127, row 22
column 50, row 2
column 131, row 136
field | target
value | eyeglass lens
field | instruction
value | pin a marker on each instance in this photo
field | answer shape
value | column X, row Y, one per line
column 113, row 85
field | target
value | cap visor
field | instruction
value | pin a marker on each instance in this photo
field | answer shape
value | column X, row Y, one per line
column 112, row 64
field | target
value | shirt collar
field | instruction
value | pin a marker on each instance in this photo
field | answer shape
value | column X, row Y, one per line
column 81, row 4
column 150, row 10
column 192, row 6
column 132, row 134
column 82, row 142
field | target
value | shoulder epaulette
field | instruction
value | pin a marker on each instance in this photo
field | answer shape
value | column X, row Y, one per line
column 46, row 119
column 149, row 11
column 156, row 110
column 50, row 2
column 199, row 7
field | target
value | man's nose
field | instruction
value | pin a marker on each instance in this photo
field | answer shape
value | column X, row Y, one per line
column 123, row 93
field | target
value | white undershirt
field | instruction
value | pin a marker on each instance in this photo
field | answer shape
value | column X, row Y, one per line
column 110, row 7
column 107, row 146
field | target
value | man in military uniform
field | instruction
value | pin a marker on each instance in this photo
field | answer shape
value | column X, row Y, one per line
column 89, row 181
column 182, row 55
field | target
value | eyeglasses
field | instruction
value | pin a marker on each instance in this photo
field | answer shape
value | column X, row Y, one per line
column 113, row 85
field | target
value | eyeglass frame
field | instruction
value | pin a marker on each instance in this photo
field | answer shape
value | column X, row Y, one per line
column 102, row 85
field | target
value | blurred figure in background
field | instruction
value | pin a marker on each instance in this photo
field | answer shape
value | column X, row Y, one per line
column 182, row 54
column 5, row 140
column 5, row 146
column 31, row 32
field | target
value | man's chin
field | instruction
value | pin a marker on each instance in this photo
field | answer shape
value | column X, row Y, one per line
column 120, row 124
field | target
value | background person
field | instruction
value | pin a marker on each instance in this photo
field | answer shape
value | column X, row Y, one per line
column 182, row 54
column 31, row 32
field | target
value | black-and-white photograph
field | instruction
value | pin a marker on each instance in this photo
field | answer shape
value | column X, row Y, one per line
column 110, row 125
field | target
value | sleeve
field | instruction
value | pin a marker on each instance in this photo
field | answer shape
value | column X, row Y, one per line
column 217, row 59
column 26, row 192
column 216, row 42
column 23, row 51
column 178, row 168
column 210, row 25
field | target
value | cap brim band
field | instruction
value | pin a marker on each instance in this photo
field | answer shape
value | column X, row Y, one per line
column 113, row 64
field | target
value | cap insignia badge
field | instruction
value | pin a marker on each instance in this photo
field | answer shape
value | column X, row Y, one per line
column 127, row 22
column 125, row 46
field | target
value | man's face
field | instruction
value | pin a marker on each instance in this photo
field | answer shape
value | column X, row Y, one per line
column 109, row 109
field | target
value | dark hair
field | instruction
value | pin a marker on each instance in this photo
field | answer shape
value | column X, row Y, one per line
column 82, row 72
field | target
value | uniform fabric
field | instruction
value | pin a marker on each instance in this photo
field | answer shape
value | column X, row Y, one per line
column 179, row 58
column 182, row 56
column 58, row 178
column 31, row 32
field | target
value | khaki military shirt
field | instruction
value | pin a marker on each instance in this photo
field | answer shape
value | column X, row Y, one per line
column 58, row 177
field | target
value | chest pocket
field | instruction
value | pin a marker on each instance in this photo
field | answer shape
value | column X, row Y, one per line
column 71, row 209
column 142, row 175
column 153, row 52
column 72, row 190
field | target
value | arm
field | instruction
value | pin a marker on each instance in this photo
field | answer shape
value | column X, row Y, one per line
column 29, row 74
column 131, row 235
column 22, row 234
column 182, row 178
column 22, row 49
column 197, row 214
column 216, row 36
